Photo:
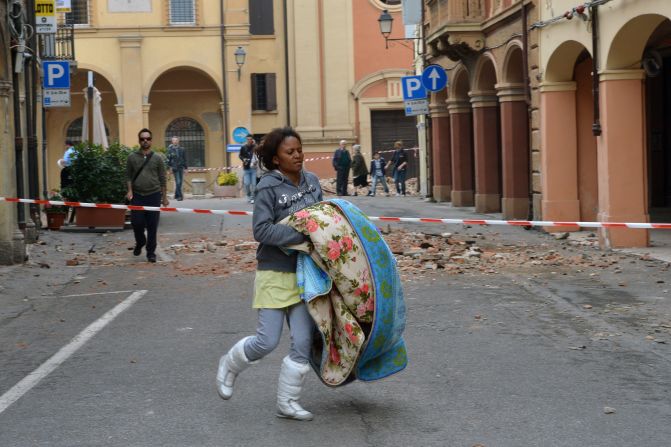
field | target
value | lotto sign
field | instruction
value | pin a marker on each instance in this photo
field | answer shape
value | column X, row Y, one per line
column 412, row 88
column 45, row 16
column 56, row 74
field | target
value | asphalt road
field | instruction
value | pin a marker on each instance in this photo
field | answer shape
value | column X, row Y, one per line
column 496, row 360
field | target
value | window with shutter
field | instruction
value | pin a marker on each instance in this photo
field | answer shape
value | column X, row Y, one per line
column 264, row 92
column 261, row 17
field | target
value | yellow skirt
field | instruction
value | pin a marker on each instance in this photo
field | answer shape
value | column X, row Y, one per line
column 275, row 290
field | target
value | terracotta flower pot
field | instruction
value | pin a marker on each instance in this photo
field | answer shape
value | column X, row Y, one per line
column 55, row 220
column 100, row 217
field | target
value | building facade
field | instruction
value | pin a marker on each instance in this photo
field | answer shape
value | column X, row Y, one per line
column 485, row 135
column 605, row 108
column 317, row 65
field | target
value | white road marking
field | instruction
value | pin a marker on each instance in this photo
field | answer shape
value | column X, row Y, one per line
column 162, row 255
column 91, row 294
column 32, row 379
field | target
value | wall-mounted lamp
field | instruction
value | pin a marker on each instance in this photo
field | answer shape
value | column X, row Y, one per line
column 240, row 55
column 386, row 21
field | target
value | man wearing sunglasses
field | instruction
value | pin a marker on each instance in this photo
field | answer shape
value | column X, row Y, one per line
column 145, row 172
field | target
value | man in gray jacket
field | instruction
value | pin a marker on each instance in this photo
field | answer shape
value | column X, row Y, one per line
column 145, row 171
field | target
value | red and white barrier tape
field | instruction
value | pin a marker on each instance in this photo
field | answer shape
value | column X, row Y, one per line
column 227, row 168
column 516, row 223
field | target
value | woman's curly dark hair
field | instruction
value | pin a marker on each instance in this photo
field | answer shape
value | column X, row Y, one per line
column 271, row 143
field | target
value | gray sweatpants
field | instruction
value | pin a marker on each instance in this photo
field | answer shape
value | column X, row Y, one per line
column 269, row 330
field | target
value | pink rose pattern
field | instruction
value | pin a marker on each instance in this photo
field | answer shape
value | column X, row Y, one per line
column 352, row 300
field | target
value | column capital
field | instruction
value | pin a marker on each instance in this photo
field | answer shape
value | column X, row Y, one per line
column 483, row 98
column 510, row 92
column 438, row 109
column 119, row 108
column 455, row 106
column 130, row 41
column 5, row 88
column 569, row 86
column 146, row 107
column 621, row 75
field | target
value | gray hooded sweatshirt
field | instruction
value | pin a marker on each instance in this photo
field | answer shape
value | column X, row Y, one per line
column 277, row 197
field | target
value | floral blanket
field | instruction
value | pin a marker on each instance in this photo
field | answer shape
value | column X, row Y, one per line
column 348, row 278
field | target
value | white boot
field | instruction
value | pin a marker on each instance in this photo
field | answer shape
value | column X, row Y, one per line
column 292, row 376
column 230, row 365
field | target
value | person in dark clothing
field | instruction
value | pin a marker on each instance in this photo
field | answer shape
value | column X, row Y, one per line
column 177, row 163
column 359, row 170
column 399, row 163
column 249, row 167
column 342, row 161
column 145, row 172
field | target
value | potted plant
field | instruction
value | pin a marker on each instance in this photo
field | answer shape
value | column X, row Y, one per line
column 226, row 185
column 55, row 213
column 99, row 176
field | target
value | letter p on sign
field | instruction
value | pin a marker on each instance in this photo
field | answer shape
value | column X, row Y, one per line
column 413, row 88
column 56, row 74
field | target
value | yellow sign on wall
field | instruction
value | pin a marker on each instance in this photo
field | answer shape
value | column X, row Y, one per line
column 45, row 16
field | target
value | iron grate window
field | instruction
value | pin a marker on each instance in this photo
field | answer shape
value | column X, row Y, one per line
column 182, row 12
column 74, row 132
column 191, row 137
column 79, row 14
column 264, row 96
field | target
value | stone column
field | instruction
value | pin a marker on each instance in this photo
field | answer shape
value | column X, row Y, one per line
column 559, row 154
column 487, row 153
column 131, row 86
column 145, row 115
column 12, row 247
column 514, row 150
column 120, row 119
column 461, row 141
column 622, row 165
column 442, row 152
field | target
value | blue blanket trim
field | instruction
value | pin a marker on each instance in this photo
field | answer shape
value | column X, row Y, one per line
column 312, row 280
column 384, row 352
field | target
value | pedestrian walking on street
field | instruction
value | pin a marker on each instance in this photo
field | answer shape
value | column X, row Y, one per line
column 285, row 189
column 342, row 162
column 399, row 163
column 359, row 170
column 248, row 168
column 177, row 163
column 146, row 174
column 377, row 174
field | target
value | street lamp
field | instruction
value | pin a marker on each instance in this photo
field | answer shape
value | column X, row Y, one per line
column 240, row 55
column 386, row 21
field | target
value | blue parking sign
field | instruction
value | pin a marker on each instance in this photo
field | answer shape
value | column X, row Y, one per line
column 412, row 88
column 56, row 74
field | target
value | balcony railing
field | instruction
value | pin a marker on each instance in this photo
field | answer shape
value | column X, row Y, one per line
column 59, row 46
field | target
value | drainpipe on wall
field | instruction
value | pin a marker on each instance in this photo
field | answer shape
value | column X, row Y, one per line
column 30, row 78
column 527, row 98
column 286, row 62
column 18, row 147
column 596, row 127
column 225, row 82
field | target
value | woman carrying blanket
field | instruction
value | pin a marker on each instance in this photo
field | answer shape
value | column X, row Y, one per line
column 284, row 190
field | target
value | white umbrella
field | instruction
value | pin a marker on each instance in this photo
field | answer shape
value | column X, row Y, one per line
column 99, row 134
